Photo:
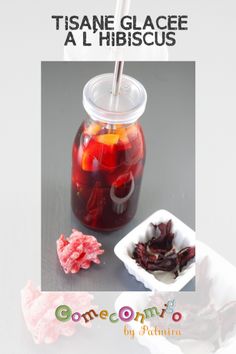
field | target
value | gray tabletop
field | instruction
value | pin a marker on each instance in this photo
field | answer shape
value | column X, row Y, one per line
column 168, row 182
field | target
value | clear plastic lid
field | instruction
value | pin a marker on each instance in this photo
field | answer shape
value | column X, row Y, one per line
column 102, row 105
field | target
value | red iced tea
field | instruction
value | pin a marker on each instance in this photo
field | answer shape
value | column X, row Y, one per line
column 107, row 168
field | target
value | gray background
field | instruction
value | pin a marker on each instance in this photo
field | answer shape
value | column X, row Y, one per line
column 168, row 182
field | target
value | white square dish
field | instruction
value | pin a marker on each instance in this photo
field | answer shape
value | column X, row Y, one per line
column 159, row 280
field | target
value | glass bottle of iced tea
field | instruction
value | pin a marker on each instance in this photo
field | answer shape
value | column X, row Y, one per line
column 108, row 154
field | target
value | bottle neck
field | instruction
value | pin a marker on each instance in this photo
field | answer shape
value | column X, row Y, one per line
column 110, row 124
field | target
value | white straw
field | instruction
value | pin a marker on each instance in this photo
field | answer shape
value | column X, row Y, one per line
column 117, row 77
column 122, row 9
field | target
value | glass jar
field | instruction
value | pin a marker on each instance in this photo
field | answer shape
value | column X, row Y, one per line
column 108, row 154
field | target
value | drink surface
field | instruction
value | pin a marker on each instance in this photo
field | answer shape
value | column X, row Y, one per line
column 107, row 168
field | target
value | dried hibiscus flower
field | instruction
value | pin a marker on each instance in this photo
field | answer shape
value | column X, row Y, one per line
column 142, row 256
column 185, row 255
column 164, row 241
column 159, row 253
column 78, row 251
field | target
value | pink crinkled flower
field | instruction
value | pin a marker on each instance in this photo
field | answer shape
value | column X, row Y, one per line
column 78, row 251
column 39, row 312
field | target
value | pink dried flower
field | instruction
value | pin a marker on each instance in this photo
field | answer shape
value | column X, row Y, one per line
column 39, row 312
column 78, row 251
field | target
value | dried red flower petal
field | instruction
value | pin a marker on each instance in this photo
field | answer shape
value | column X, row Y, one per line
column 162, row 243
column 185, row 255
column 159, row 254
column 142, row 256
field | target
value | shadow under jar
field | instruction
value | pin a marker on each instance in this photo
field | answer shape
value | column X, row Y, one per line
column 108, row 154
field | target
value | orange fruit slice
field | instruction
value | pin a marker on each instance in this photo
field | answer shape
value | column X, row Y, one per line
column 93, row 129
column 123, row 135
column 89, row 163
column 108, row 139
